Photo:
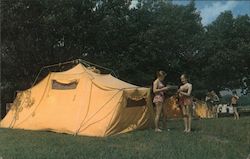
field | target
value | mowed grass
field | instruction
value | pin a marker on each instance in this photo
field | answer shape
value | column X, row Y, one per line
column 222, row 138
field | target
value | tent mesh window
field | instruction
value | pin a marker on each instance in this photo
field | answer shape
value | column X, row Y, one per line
column 136, row 103
column 64, row 86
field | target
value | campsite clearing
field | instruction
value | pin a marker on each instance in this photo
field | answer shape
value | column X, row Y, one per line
column 222, row 138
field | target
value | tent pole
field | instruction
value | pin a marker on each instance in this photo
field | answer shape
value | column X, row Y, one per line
column 86, row 62
column 72, row 61
column 53, row 65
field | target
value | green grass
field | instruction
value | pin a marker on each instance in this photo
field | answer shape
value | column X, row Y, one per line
column 222, row 138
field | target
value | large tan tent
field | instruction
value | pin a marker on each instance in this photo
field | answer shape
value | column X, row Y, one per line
column 81, row 102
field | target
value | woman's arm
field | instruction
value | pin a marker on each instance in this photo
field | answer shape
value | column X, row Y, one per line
column 189, row 91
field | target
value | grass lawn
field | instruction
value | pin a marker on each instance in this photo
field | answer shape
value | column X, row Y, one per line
column 222, row 138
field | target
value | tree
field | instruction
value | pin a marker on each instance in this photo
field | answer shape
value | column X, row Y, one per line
column 135, row 42
column 224, row 52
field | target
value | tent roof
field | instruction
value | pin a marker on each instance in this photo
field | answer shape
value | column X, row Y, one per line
column 103, row 80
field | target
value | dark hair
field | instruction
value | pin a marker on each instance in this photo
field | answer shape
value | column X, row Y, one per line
column 185, row 76
column 160, row 73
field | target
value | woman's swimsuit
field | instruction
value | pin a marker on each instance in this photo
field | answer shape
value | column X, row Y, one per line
column 159, row 96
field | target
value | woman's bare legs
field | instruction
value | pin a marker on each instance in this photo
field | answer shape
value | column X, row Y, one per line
column 236, row 114
column 184, row 111
column 189, row 118
column 164, row 115
column 157, row 116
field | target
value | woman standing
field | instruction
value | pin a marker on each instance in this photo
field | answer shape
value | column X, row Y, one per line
column 158, row 89
column 185, row 101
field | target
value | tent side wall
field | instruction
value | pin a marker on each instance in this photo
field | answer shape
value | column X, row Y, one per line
column 100, row 111
column 25, row 104
column 132, row 116
column 59, row 111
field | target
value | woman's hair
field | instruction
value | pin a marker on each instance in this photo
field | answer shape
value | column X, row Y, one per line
column 185, row 76
column 161, row 73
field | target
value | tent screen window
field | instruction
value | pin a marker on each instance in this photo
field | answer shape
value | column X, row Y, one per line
column 64, row 86
column 136, row 103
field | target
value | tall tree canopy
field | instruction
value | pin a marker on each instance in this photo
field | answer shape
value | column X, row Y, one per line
column 135, row 42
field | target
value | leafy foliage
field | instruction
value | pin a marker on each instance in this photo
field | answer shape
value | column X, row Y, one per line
column 135, row 42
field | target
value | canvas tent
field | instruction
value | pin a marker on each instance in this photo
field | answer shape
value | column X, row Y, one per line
column 172, row 110
column 81, row 102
